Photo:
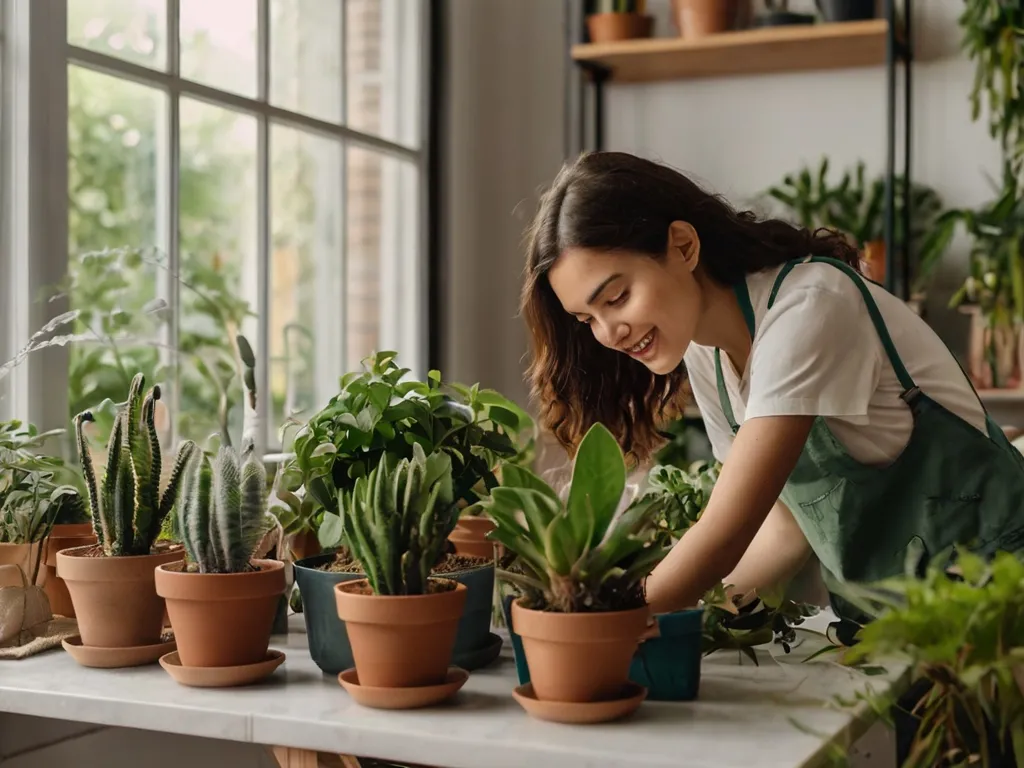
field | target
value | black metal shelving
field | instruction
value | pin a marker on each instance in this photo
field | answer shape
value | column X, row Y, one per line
column 586, row 82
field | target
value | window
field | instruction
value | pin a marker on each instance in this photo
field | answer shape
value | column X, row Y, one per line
column 237, row 165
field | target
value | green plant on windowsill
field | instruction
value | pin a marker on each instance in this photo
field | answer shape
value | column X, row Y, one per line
column 962, row 629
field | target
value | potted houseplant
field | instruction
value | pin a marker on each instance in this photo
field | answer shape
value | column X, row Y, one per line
column 698, row 18
column 112, row 582
column 379, row 412
column 777, row 14
column 401, row 620
column 846, row 10
column 580, row 567
column 613, row 20
column 221, row 601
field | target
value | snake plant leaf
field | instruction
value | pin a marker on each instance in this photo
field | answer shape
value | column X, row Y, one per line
column 598, row 478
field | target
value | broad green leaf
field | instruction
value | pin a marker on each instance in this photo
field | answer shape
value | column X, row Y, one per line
column 513, row 476
column 598, row 478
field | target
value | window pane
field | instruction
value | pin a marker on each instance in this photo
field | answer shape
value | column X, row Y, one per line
column 305, row 57
column 115, row 135
column 383, row 45
column 218, row 261
column 135, row 30
column 306, row 278
column 218, row 44
column 383, row 266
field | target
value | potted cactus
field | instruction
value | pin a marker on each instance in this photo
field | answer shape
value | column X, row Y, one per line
column 580, row 566
column 111, row 583
column 222, row 601
column 401, row 620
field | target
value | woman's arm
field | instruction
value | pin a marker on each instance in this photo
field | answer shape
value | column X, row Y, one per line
column 762, row 456
column 774, row 557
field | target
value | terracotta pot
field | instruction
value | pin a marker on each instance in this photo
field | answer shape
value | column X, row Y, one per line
column 610, row 27
column 222, row 619
column 114, row 598
column 400, row 641
column 304, row 544
column 470, row 537
column 65, row 536
column 22, row 555
column 873, row 263
column 699, row 18
column 578, row 657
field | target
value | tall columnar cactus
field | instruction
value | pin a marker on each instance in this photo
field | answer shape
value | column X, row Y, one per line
column 128, row 508
column 223, row 514
column 398, row 518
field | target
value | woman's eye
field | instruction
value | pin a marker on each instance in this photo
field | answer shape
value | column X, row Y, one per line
column 618, row 299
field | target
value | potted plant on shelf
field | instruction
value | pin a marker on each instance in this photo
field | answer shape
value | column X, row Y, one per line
column 401, row 620
column 699, row 18
column 613, row 20
column 221, row 600
column 777, row 14
column 380, row 412
column 580, row 567
column 112, row 583
column 846, row 10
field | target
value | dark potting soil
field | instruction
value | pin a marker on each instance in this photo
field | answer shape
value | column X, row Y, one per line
column 345, row 563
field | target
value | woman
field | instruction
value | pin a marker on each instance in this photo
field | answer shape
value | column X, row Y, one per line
column 845, row 426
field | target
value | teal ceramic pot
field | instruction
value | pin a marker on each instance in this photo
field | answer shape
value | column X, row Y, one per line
column 667, row 666
column 475, row 645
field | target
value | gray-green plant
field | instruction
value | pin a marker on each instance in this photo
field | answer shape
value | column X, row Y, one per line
column 588, row 553
column 397, row 520
column 222, row 511
column 128, row 508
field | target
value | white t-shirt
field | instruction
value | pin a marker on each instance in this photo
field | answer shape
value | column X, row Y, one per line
column 816, row 352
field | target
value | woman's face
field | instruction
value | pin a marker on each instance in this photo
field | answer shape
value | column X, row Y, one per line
column 642, row 307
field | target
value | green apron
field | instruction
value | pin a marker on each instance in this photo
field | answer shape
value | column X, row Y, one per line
column 952, row 485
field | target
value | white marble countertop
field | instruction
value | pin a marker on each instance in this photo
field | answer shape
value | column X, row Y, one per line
column 744, row 714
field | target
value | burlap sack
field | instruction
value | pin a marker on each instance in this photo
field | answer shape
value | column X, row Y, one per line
column 27, row 625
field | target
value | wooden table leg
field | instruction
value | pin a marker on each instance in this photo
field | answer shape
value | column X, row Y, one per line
column 290, row 757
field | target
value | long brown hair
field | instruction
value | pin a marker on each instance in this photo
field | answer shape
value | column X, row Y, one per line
column 610, row 201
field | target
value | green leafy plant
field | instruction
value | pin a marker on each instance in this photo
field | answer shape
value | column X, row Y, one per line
column 30, row 477
column 584, row 554
column 397, row 520
column 222, row 511
column 684, row 493
column 380, row 411
column 128, row 509
column 961, row 628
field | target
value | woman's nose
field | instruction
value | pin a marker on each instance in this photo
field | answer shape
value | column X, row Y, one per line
column 615, row 334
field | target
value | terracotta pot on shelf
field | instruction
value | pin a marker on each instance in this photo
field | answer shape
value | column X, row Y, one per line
column 613, row 27
column 63, row 536
column 114, row 598
column 303, row 544
column 873, row 262
column 578, row 657
column 699, row 18
column 470, row 536
column 400, row 641
column 222, row 619
column 22, row 555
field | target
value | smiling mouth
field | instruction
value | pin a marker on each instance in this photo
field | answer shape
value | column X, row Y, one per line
column 641, row 346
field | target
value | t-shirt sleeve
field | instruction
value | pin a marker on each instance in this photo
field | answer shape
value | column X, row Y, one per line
column 700, row 370
column 816, row 353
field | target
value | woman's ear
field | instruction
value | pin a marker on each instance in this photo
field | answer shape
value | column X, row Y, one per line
column 684, row 244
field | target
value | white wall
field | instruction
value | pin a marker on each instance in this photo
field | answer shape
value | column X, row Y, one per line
column 741, row 134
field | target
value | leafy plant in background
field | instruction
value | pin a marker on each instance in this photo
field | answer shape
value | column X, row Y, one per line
column 26, row 473
column 582, row 554
column 379, row 411
column 963, row 630
column 128, row 509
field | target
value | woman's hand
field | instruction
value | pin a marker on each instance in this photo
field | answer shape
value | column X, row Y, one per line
column 762, row 456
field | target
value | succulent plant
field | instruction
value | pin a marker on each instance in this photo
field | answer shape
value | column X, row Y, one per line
column 128, row 508
column 222, row 514
column 588, row 553
column 397, row 520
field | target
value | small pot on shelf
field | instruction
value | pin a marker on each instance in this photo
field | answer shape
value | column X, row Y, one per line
column 615, row 27
column 699, row 18
column 470, row 536
column 777, row 14
column 63, row 536
column 847, row 10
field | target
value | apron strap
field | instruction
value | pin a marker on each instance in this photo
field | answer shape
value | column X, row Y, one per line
column 876, row 316
column 743, row 299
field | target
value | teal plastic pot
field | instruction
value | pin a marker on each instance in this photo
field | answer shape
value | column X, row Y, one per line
column 667, row 666
column 475, row 644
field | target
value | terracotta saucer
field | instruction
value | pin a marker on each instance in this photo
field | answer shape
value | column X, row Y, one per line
column 221, row 677
column 403, row 698
column 580, row 712
column 114, row 658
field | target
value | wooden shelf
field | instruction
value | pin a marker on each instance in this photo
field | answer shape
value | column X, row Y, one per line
column 794, row 48
column 1009, row 396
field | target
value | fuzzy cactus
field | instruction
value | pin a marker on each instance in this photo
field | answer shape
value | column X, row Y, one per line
column 128, row 508
column 222, row 516
column 397, row 520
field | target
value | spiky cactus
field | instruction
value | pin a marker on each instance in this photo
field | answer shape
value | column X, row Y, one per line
column 223, row 515
column 128, row 508
column 398, row 518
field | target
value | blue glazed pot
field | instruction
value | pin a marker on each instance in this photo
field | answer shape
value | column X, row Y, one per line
column 667, row 666
column 475, row 645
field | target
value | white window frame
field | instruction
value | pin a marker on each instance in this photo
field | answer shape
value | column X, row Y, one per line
column 35, row 119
